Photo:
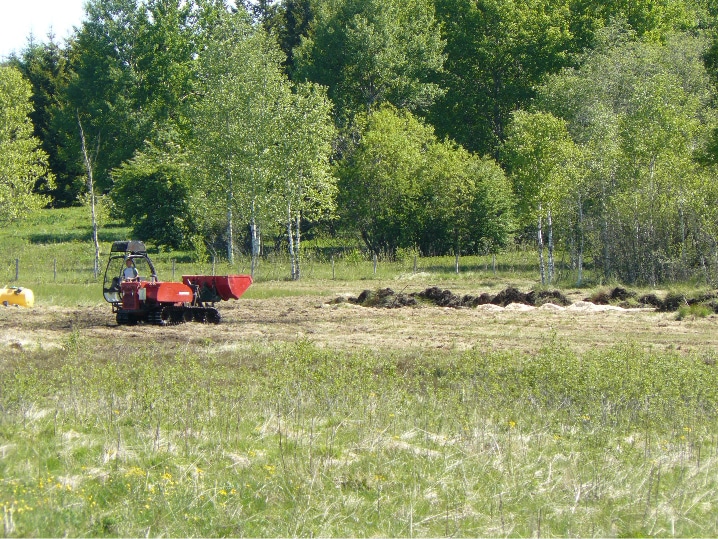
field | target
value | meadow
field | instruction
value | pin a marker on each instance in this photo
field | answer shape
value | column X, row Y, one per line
column 300, row 416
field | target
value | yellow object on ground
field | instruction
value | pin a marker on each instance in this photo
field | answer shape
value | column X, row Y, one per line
column 16, row 295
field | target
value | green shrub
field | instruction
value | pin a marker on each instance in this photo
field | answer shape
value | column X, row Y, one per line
column 697, row 310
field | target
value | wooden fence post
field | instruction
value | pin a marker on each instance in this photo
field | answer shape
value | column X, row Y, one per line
column 333, row 274
column 17, row 269
column 54, row 269
column 374, row 259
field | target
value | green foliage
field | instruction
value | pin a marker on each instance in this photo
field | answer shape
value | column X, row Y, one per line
column 133, row 72
column 539, row 155
column 23, row 165
column 651, row 21
column 402, row 188
column 466, row 202
column 293, row 21
column 498, row 51
column 373, row 52
column 380, row 183
column 693, row 311
column 46, row 68
column 151, row 194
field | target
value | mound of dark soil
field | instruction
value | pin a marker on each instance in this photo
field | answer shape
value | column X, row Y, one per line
column 384, row 297
column 618, row 294
column 475, row 301
column 441, row 298
column 552, row 296
column 599, row 298
column 621, row 294
column 673, row 302
column 387, row 298
column 513, row 295
column 651, row 300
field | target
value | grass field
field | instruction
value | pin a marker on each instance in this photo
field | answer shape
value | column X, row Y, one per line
column 300, row 417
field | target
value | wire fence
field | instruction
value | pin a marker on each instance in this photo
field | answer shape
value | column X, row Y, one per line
column 274, row 266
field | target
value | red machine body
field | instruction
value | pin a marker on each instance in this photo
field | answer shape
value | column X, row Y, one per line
column 226, row 286
column 143, row 298
column 135, row 293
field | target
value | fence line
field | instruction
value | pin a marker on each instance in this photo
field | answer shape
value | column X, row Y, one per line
column 270, row 267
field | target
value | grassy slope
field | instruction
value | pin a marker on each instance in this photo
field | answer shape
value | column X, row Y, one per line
column 277, row 440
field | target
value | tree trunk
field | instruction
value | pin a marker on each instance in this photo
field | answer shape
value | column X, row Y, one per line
column 256, row 245
column 290, row 238
column 549, row 226
column 91, row 191
column 298, row 242
column 230, row 220
column 540, row 251
column 580, row 242
column 604, row 231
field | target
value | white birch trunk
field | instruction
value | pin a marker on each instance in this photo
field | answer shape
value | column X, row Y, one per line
column 91, row 190
column 580, row 243
column 290, row 238
column 230, row 220
column 539, row 234
column 254, row 230
column 549, row 226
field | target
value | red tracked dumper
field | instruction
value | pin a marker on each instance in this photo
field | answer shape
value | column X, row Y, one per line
column 131, row 286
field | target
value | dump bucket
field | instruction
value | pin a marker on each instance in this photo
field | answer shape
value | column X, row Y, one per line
column 218, row 287
column 17, row 296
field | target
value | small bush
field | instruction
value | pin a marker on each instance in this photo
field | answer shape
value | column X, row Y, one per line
column 697, row 310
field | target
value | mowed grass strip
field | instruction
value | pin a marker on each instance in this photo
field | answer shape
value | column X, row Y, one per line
column 127, row 439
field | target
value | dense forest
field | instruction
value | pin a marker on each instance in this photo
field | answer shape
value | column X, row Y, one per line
column 584, row 127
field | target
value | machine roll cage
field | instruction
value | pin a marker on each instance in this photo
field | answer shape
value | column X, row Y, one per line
column 133, row 250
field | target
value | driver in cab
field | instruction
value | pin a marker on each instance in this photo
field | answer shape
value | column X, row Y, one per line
column 130, row 272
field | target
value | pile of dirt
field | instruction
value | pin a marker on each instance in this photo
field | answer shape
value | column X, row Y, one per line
column 387, row 298
column 675, row 300
column 611, row 297
column 445, row 298
column 384, row 297
column 617, row 297
column 651, row 300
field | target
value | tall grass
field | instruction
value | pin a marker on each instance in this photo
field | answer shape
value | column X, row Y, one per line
column 295, row 441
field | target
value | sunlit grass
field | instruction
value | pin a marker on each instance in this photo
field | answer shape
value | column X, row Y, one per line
column 292, row 440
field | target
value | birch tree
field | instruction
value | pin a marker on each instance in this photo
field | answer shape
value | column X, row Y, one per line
column 308, row 188
column 235, row 121
column 260, row 148
column 89, row 157
column 540, row 156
